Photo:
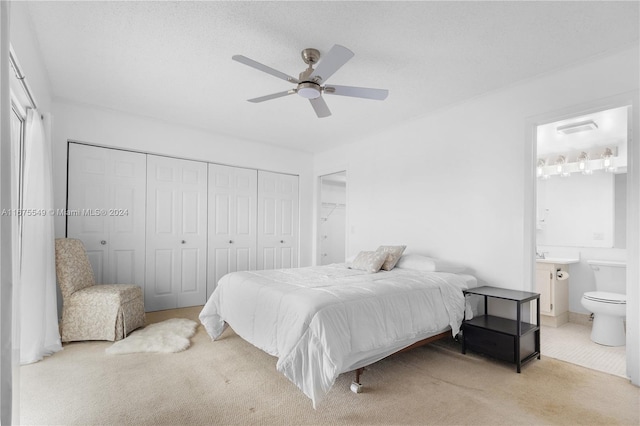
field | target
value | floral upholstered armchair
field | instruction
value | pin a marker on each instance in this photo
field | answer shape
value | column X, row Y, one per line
column 90, row 311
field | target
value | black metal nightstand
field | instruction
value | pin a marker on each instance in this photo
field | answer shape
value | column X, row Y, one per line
column 510, row 340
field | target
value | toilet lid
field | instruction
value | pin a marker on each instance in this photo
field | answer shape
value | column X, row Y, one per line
column 606, row 297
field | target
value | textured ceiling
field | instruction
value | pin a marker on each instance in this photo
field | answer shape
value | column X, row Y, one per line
column 172, row 60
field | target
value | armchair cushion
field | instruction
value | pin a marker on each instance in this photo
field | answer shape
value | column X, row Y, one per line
column 106, row 294
column 103, row 312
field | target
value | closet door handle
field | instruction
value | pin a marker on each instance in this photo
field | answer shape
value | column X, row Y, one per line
column 103, row 242
column 183, row 242
column 230, row 241
column 282, row 241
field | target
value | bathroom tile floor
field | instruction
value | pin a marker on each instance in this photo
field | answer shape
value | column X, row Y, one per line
column 571, row 342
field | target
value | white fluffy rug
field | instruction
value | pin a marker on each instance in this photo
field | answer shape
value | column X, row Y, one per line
column 171, row 335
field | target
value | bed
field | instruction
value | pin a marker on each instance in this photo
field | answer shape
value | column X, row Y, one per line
column 326, row 320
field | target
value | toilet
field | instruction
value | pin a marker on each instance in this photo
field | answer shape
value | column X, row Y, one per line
column 608, row 303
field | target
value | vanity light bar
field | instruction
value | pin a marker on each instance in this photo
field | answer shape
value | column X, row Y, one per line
column 584, row 164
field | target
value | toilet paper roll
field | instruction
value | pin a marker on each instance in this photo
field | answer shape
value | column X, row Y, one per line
column 562, row 275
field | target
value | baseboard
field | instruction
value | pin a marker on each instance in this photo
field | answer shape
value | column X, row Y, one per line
column 582, row 319
column 556, row 321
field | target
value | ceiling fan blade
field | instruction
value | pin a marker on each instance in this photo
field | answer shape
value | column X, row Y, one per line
column 264, row 68
column 320, row 107
column 357, row 92
column 272, row 96
column 334, row 59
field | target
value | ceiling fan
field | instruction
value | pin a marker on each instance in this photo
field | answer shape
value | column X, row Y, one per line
column 311, row 82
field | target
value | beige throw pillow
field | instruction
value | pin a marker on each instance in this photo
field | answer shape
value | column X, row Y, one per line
column 393, row 254
column 369, row 261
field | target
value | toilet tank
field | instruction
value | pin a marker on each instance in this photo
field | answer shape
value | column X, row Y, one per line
column 610, row 275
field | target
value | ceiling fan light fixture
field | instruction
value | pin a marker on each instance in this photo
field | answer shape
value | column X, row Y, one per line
column 309, row 90
column 310, row 83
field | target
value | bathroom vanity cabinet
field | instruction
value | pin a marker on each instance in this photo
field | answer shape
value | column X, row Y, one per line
column 554, row 293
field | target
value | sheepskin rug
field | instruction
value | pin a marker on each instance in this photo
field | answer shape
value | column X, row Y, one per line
column 171, row 335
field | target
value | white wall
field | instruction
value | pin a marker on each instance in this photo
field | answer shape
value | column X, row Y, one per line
column 114, row 129
column 25, row 46
column 451, row 184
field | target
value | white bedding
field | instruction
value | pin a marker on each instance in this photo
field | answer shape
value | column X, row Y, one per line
column 326, row 320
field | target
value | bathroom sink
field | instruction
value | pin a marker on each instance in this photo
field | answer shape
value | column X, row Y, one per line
column 559, row 260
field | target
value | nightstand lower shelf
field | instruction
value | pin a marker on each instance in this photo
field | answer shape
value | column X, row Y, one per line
column 496, row 337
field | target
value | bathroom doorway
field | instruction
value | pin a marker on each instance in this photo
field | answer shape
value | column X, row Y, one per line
column 580, row 163
column 332, row 218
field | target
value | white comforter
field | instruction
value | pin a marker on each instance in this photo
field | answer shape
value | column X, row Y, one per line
column 323, row 321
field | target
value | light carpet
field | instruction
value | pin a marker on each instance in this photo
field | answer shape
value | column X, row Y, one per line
column 167, row 336
column 231, row 382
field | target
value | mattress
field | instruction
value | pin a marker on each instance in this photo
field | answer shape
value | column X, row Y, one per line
column 326, row 320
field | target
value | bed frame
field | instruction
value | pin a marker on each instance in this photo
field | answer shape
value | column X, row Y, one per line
column 356, row 386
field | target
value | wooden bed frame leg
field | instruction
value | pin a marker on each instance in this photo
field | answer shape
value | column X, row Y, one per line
column 356, row 386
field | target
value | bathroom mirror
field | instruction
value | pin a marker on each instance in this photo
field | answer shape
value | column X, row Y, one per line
column 620, row 212
column 581, row 185
column 583, row 211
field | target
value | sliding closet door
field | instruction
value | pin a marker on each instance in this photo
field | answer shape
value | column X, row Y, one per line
column 106, row 210
column 277, row 221
column 176, row 233
column 232, row 222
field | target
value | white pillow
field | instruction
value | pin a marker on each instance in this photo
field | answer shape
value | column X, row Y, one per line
column 417, row 262
column 423, row 263
column 369, row 261
column 393, row 255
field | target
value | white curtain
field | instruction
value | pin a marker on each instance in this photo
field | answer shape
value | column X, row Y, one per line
column 39, row 335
